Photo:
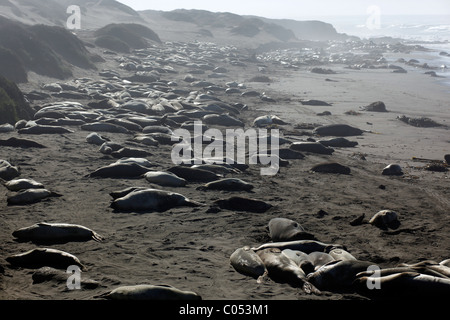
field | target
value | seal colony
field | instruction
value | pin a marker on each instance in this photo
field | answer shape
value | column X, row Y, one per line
column 218, row 229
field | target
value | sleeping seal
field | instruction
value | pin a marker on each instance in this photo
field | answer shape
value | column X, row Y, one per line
column 283, row 269
column 150, row 292
column 150, row 200
column 247, row 262
column 283, row 229
column 45, row 257
column 29, row 196
column 56, row 233
column 228, row 184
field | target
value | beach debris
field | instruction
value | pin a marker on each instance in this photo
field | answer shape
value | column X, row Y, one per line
column 422, row 122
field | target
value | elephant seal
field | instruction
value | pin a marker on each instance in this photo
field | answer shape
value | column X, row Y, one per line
column 167, row 179
column 20, row 143
column 339, row 142
column 150, row 292
column 281, row 268
column 95, row 138
column 404, row 284
column 331, row 167
column 313, row 147
column 119, row 170
column 126, row 152
column 56, row 233
column 385, row 219
column 283, row 229
column 228, row 184
column 243, row 204
column 45, row 274
column 319, row 259
column 341, row 254
column 306, row 246
column 43, row 129
column 150, row 200
column 337, row 275
column 41, row 257
column 21, row 184
column 194, row 174
column 122, row 193
column 247, row 262
column 29, row 196
column 392, row 170
column 338, row 130
column 140, row 161
column 104, row 127
column 8, row 171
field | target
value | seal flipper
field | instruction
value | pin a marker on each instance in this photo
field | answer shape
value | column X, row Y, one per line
column 309, row 288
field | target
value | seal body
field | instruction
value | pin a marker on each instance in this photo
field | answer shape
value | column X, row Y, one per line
column 246, row 261
column 165, row 179
column 229, row 184
column 150, row 292
column 56, row 232
column 283, row 229
column 41, row 257
column 149, row 200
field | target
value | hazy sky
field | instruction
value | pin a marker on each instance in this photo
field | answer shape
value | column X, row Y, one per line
column 292, row 9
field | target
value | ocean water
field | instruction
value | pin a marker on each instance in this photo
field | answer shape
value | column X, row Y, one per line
column 429, row 31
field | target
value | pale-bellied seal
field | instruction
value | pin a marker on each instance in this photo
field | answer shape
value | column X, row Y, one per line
column 283, row 229
column 319, row 259
column 140, row 161
column 405, row 285
column 104, row 127
column 341, row 254
column 306, row 246
column 337, row 275
column 392, row 170
column 338, row 130
column 194, row 174
column 313, row 147
column 42, row 257
column 126, row 152
column 43, row 129
column 95, row 138
column 228, row 184
column 56, row 233
column 422, row 266
column 147, row 140
column 385, row 219
column 122, row 193
column 162, row 178
column 243, row 204
column 283, row 269
column 150, row 200
column 150, row 292
column 120, row 170
column 246, row 261
column 21, row 184
column 45, row 274
column 29, row 196
column 220, row 169
column 331, row 167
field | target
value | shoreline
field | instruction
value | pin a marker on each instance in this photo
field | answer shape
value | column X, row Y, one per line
column 190, row 248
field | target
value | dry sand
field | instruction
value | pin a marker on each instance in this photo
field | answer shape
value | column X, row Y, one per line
column 190, row 248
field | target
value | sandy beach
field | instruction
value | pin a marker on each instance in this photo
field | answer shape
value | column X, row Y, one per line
column 190, row 248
